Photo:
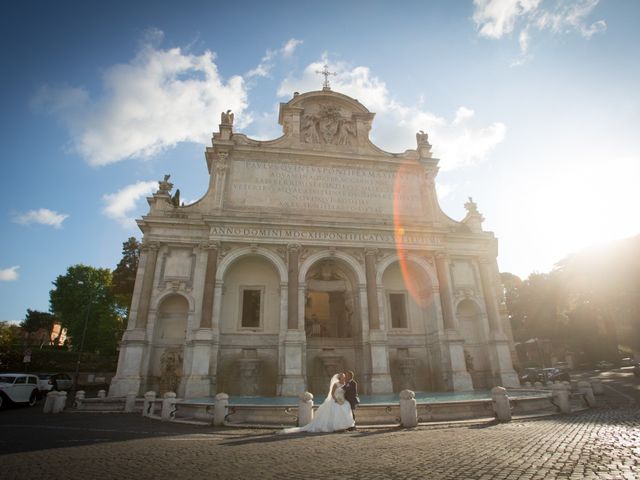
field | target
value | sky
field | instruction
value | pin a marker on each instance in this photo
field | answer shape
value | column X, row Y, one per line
column 532, row 106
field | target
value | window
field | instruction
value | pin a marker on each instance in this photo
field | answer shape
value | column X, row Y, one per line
column 33, row 380
column 251, row 307
column 21, row 380
column 398, row 308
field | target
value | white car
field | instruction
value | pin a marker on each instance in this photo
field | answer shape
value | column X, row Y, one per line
column 18, row 388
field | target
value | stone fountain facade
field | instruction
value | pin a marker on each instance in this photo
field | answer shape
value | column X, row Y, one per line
column 312, row 253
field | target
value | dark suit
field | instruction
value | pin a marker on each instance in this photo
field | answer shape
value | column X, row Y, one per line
column 351, row 395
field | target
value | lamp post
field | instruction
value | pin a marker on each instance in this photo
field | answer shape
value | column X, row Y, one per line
column 84, row 333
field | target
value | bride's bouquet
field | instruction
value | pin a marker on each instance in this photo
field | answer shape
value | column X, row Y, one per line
column 339, row 395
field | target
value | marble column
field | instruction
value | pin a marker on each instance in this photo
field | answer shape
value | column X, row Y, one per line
column 457, row 376
column 372, row 289
column 379, row 378
column 200, row 380
column 292, row 340
column 150, row 252
column 133, row 347
column 221, row 167
column 209, row 286
column 292, row 309
column 499, row 352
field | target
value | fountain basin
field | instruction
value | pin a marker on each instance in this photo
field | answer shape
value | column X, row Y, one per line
column 374, row 409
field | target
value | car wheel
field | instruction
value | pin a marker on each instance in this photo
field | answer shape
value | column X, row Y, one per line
column 33, row 398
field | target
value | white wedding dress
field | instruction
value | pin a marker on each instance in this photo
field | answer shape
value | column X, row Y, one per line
column 331, row 416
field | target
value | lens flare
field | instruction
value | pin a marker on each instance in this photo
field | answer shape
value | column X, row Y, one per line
column 404, row 208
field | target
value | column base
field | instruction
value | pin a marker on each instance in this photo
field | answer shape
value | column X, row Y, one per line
column 197, row 386
column 380, row 383
column 458, row 377
column 291, row 386
column 120, row 387
column 503, row 372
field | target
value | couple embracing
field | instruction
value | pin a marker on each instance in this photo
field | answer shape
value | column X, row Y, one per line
column 337, row 412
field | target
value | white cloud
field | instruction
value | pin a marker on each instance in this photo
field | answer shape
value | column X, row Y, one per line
column 9, row 274
column 43, row 216
column 156, row 100
column 263, row 69
column 496, row 18
column 121, row 203
column 457, row 142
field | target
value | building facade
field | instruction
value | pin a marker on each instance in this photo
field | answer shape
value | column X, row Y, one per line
column 309, row 254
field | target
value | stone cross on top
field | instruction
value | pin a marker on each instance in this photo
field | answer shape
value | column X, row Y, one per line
column 325, row 71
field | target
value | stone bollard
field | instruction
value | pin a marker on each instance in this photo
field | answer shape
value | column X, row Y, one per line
column 501, row 404
column 102, row 394
column 130, row 402
column 77, row 402
column 60, row 402
column 168, row 407
column 305, row 409
column 585, row 389
column 408, row 409
column 561, row 398
column 220, row 409
column 149, row 404
column 596, row 386
column 49, row 402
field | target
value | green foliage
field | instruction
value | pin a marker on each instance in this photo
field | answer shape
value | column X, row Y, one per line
column 124, row 276
column 82, row 297
column 36, row 320
column 52, row 360
column 10, row 335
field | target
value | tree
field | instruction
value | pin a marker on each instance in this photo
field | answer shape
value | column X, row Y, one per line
column 82, row 297
column 124, row 276
column 36, row 320
column 10, row 335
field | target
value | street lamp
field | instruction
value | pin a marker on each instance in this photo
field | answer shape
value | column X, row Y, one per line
column 84, row 334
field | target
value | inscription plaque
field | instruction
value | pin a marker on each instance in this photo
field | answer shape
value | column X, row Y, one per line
column 330, row 189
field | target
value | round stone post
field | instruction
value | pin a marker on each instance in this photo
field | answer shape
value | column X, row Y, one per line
column 168, row 407
column 102, row 394
column 561, row 398
column 49, row 401
column 130, row 402
column 596, row 386
column 408, row 409
column 60, row 402
column 149, row 404
column 585, row 389
column 305, row 409
column 501, row 404
column 220, row 409
column 77, row 403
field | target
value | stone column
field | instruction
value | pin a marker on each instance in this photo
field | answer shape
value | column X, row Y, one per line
column 221, row 167
column 446, row 294
column 209, row 285
column 457, row 378
column 372, row 289
column 292, row 338
column 292, row 309
column 490, row 296
column 499, row 350
column 150, row 254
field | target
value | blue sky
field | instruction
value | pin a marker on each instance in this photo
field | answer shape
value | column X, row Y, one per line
column 533, row 107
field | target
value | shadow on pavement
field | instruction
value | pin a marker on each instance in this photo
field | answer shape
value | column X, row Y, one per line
column 28, row 429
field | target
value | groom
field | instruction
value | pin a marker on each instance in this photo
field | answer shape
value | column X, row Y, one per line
column 351, row 394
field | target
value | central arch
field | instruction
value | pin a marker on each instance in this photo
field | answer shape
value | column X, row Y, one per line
column 332, row 317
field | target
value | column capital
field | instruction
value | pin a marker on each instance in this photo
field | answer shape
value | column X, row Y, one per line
column 485, row 260
column 371, row 251
column 207, row 246
column 150, row 245
column 442, row 256
column 293, row 247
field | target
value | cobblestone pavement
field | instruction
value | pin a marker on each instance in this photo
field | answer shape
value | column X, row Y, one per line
column 600, row 443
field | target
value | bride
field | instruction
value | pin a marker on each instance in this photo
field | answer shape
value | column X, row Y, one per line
column 333, row 415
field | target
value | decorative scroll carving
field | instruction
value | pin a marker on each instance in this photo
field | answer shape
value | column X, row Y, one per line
column 327, row 126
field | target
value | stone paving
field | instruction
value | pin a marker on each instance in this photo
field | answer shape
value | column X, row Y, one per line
column 600, row 443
